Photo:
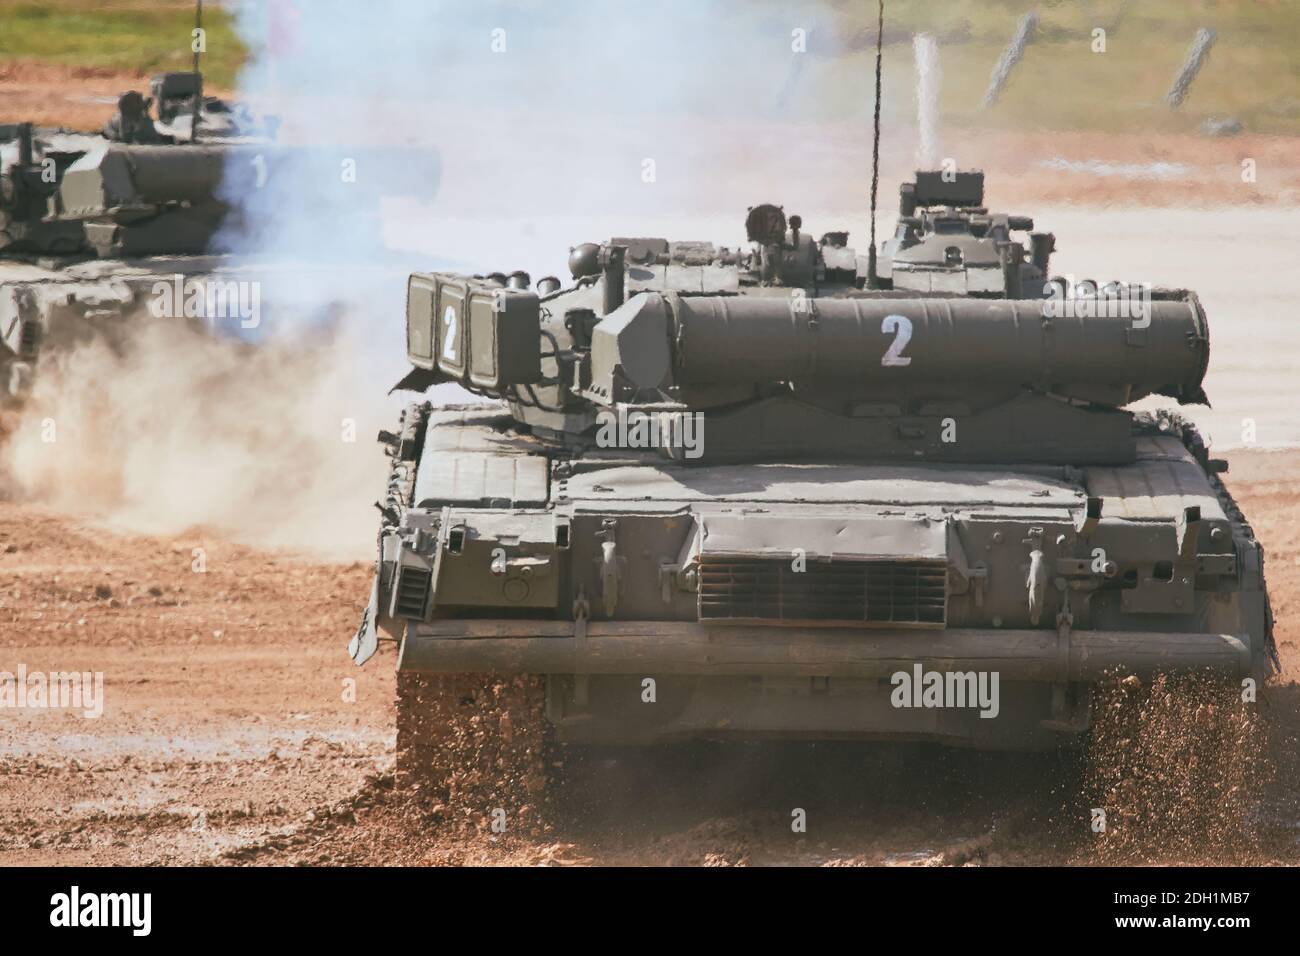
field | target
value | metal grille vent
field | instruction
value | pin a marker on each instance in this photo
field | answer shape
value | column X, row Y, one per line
column 413, row 592
column 841, row 592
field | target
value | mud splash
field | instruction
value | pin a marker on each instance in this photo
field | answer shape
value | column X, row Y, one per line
column 476, row 748
column 1180, row 767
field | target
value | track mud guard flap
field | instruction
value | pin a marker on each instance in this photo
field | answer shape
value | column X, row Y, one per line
column 365, row 641
column 417, row 380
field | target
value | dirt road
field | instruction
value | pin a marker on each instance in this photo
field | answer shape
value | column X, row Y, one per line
column 235, row 730
column 224, row 713
column 51, row 94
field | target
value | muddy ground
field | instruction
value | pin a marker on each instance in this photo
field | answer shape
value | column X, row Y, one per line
column 232, row 733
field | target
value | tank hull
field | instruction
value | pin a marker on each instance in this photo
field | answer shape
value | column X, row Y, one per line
column 48, row 309
column 728, row 495
column 817, row 600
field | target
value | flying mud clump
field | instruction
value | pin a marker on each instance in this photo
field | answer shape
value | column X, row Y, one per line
column 476, row 747
column 1178, row 766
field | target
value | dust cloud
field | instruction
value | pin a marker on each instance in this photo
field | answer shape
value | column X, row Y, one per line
column 174, row 428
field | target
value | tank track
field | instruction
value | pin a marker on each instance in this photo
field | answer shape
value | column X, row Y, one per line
column 1241, row 528
column 1171, row 422
column 1178, row 762
column 476, row 744
column 404, row 447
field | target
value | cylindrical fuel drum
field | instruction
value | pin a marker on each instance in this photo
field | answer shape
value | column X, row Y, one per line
column 1138, row 346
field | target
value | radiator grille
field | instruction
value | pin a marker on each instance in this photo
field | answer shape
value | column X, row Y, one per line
column 413, row 593
column 842, row 592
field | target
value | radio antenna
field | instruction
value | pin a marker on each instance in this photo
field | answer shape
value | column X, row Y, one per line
column 872, row 281
column 197, row 42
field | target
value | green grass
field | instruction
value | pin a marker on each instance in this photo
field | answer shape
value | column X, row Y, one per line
column 1253, row 72
column 146, row 36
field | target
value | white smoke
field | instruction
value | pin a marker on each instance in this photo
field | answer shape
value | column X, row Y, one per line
column 928, row 78
column 491, row 136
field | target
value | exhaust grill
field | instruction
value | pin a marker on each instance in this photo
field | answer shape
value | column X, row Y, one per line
column 413, row 593
column 742, row 590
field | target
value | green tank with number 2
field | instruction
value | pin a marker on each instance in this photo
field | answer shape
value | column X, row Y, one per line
column 756, row 493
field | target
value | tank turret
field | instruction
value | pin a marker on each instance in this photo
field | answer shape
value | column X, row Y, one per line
column 138, row 192
column 947, row 241
column 91, row 223
column 73, row 194
column 782, row 365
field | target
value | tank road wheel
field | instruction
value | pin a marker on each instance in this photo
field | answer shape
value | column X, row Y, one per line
column 478, row 744
column 1177, row 764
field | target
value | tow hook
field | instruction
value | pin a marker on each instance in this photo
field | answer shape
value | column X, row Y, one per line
column 1036, row 582
column 609, row 567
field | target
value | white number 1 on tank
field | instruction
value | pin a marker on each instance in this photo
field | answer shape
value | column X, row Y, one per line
column 901, row 326
column 449, row 343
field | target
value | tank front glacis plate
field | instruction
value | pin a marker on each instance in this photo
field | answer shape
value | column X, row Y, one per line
column 613, row 565
column 633, row 541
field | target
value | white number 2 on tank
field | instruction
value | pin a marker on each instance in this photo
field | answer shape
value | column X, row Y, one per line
column 901, row 327
column 449, row 343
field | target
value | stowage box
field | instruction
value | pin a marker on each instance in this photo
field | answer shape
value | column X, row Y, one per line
column 477, row 333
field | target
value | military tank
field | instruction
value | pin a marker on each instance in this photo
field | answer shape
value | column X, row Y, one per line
column 760, row 492
column 100, row 228
column 90, row 224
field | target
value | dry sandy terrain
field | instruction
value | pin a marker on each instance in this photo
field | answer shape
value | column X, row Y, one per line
column 50, row 94
column 231, row 734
